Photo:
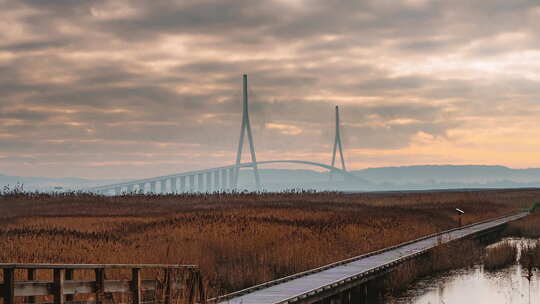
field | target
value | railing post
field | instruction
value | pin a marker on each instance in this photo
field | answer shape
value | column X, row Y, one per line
column 31, row 276
column 136, row 285
column 9, row 285
column 59, row 277
column 63, row 283
column 100, row 284
column 69, row 277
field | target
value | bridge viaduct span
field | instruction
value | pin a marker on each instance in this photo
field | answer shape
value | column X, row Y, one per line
column 208, row 180
column 223, row 178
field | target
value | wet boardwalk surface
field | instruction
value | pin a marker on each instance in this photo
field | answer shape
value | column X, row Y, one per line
column 355, row 268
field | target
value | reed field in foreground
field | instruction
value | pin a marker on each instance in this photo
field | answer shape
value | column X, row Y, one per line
column 238, row 239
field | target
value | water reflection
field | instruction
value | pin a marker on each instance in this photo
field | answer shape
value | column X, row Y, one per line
column 477, row 286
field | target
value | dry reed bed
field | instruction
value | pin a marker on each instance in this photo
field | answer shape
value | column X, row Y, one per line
column 499, row 256
column 237, row 239
column 530, row 257
column 528, row 227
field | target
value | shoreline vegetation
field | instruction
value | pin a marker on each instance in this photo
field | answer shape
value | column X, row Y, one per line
column 463, row 254
column 237, row 239
column 438, row 260
column 528, row 227
column 466, row 254
column 500, row 256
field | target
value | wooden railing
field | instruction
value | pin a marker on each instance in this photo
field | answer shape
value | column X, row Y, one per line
column 63, row 287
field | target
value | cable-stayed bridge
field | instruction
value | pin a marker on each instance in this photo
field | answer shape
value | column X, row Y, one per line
column 224, row 178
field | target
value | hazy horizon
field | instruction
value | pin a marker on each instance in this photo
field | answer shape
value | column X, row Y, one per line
column 370, row 179
column 300, row 168
column 131, row 89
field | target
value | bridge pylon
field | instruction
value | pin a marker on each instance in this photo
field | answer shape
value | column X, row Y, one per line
column 246, row 128
column 337, row 144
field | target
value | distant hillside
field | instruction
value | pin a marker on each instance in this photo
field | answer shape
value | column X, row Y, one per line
column 402, row 178
column 47, row 183
column 283, row 179
column 474, row 173
column 371, row 179
column 273, row 180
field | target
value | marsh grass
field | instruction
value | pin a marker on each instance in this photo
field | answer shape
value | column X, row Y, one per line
column 500, row 256
column 530, row 256
column 237, row 239
column 528, row 227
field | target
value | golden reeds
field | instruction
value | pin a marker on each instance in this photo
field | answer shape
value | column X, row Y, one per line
column 238, row 239
column 499, row 256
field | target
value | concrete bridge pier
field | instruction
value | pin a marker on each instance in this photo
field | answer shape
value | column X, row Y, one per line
column 216, row 185
column 200, row 182
column 182, row 184
column 163, row 186
column 224, row 185
column 153, row 187
column 208, row 183
column 231, row 178
column 141, row 187
column 192, row 183
column 174, row 187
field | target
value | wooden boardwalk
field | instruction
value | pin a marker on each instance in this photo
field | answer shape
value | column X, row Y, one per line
column 318, row 284
column 65, row 288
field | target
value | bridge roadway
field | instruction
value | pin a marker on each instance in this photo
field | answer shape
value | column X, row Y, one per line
column 317, row 284
column 209, row 180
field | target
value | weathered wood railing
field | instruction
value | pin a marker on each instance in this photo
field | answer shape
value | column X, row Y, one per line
column 64, row 287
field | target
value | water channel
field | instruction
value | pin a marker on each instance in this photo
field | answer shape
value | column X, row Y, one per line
column 477, row 286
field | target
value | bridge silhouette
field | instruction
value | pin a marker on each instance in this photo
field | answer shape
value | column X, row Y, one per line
column 224, row 178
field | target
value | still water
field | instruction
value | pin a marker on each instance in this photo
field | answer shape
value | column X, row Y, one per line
column 476, row 286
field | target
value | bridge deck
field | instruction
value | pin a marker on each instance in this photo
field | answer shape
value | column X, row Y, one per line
column 320, row 280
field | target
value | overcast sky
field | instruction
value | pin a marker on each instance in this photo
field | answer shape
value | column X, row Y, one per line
column 129, row 89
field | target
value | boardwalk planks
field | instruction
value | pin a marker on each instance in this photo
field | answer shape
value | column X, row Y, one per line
column 325, row 282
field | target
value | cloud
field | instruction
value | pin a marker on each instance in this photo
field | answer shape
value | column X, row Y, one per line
column 159, row 82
